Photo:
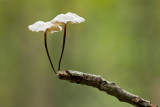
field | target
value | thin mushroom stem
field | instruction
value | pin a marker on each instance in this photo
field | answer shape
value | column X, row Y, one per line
column 64, row 39
column 45, row 42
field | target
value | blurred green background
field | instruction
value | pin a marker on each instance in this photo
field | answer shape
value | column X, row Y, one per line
column 120, row 40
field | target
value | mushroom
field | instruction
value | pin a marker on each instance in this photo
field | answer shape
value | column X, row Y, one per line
column 45, row 27
column 63, row 19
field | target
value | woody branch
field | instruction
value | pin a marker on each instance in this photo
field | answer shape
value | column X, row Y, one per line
column 103, row 85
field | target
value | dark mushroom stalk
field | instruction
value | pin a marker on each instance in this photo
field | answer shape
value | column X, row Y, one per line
column 45, row 43
column 63, row 19
column 63, row 46
column 46, row 27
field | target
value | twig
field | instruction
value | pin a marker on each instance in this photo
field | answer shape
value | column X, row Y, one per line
column 109, row 87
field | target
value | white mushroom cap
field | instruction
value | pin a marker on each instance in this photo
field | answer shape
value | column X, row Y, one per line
column 44, row 26
column 67, row 18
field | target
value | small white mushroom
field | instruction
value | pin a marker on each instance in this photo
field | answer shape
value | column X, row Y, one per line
column 67, row 18
column 44, row 27
column 63, row 19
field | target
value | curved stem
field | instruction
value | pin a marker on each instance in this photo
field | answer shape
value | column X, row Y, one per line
column 45, row 43
column 64, row 39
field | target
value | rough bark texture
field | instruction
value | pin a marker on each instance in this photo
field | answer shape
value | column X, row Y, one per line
column 109, row 87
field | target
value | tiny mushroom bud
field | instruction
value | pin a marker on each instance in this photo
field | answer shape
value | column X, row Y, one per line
column 45, row 27
column 63, row 19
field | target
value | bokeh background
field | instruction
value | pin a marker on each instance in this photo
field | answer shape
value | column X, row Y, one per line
column 120, row 40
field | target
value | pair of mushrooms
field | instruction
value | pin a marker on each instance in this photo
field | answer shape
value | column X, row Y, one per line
column 54, row 26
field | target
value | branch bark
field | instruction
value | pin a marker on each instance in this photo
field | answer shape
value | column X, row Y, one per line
column 103, row 85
